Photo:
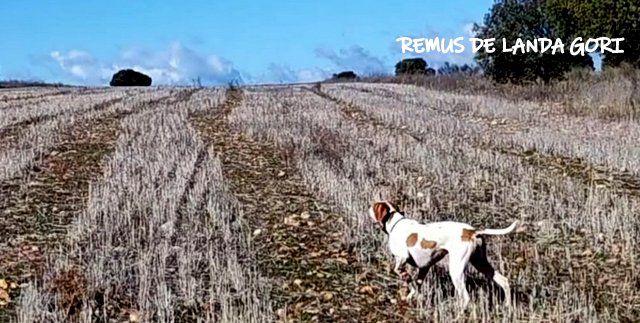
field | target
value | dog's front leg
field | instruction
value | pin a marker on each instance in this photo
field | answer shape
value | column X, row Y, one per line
column 422, row 272
column 406, row 278
column 414, row 288
column 400, row 269
column 436, row 256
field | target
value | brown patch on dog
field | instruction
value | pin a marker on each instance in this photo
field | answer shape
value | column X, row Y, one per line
column 468, row 235
column 412, row 239
column 380, row 209
column 427, row 244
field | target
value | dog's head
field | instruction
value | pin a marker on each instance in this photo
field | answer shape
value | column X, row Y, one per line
column 380, row 212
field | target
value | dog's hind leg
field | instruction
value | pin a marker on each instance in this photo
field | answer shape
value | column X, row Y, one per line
column 458, row 260
column 480, row 262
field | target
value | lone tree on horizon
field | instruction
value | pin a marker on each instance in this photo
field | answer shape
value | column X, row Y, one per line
column 346, row 75
column 413, row 66
column 130, row 77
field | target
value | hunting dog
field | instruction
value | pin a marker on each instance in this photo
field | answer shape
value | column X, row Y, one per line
column 423, row 245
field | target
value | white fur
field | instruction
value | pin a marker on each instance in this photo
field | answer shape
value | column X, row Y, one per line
column 448, row 238
column 497, row 232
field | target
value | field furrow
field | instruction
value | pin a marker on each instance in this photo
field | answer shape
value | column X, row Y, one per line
column 36, row 140
column 63, row 105
column 39, row 205
column 298, row 238
column 12, row 133
column 526, row 125
column 94, row 278
column 9, row 97
column 491, row 135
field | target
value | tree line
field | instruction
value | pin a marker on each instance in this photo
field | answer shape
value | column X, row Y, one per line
column 564, row 19
column 532, row 19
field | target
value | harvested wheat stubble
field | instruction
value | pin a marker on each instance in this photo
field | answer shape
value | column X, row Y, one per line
column 49, row 109
column 160, row 240
column 22, row 97
column 186, row 222
column 36, row 140
column 596, row 244
column 38, row 207
column 438, row 170
column 492, row 135
column 298, row 239
column 522, row 124
column 12, row 134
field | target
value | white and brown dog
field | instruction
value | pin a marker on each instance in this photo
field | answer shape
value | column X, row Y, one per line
column 423, row 245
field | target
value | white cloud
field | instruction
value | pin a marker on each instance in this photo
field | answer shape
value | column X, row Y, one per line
column 356, row 59
column 79, row 64
column 177, row 64
column 311, row 75
column 280, row 73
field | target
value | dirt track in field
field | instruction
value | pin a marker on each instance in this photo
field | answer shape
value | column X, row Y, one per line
column 315, row 278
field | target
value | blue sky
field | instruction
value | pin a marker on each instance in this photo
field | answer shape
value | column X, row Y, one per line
column 84, row 42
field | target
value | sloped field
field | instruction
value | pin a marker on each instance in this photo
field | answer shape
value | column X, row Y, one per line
column 249, row 204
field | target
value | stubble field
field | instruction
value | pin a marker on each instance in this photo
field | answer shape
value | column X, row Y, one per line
column 249, row 204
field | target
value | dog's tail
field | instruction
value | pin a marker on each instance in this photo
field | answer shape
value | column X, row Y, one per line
column 498, row 232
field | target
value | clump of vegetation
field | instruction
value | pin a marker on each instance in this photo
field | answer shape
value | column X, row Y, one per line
column 413, row 66
column 233, row 85
column 451, row 69
column 130, row 77
column 613, row 94
column 599, row 18
column 345, row 76
column 525, row 19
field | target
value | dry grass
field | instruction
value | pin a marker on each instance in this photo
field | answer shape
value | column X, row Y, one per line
column 480, row 119
column 611, row 95
column 32, row 140
column 19, row 96
column 160, row 239
column 164, row 236
column 443, row 156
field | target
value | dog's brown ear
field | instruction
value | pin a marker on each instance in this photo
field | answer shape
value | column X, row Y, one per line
column 380, row 209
